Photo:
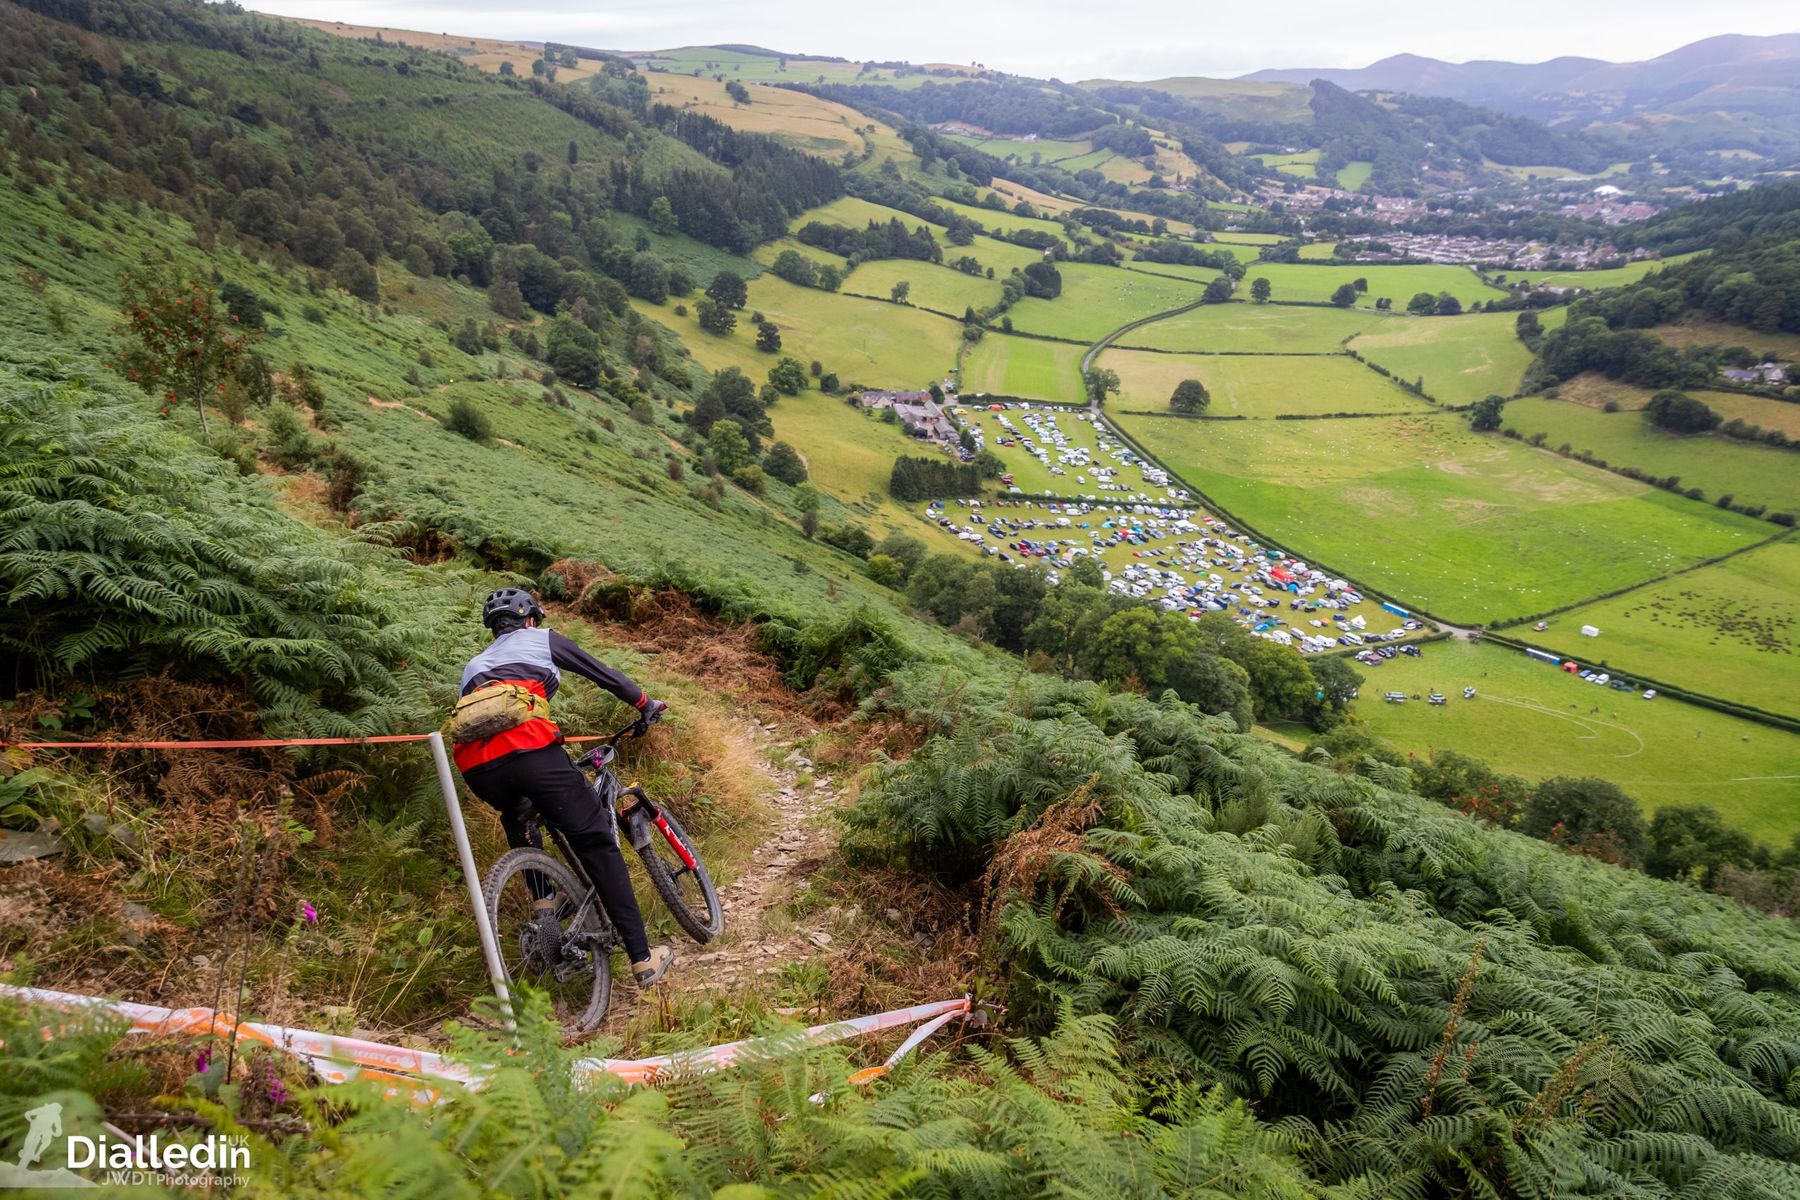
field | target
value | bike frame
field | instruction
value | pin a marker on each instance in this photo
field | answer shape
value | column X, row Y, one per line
column 637, row 820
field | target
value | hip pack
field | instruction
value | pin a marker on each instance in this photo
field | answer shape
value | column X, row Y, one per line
column 492, row 710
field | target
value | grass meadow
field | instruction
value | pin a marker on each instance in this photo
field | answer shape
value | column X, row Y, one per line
column 1460, row 359
column 802, row 121
column 1097, row 300
column 1749, row 472
column 1595, row 281
column 1352, row 175
column 1529, row 719
column 863, row 341
column 1314, row 283
column 1257, row 328
column 943, row 289
column 1026, row 367
column 1254, row 385
column 1475, row 528
column 1730, row 629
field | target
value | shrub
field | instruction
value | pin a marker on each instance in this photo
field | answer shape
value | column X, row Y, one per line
column 467, row 419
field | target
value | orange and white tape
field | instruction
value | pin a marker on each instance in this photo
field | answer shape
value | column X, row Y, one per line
column 419, row 1074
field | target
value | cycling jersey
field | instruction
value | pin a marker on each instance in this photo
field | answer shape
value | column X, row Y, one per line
column 534, row 658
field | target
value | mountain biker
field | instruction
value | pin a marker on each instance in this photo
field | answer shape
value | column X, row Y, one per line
column 526, row 763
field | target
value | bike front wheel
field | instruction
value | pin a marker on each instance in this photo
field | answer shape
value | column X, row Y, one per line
column 570, row 960
column 672, row 861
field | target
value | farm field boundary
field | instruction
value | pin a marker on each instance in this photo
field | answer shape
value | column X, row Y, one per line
column 1730, row 708
column 1515, row 622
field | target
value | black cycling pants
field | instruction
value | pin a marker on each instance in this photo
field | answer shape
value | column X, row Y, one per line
column 565, row 798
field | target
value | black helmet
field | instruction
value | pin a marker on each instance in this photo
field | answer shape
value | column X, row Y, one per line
column 510, row 605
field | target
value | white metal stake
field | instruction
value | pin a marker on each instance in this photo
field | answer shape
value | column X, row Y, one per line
column 490, row 948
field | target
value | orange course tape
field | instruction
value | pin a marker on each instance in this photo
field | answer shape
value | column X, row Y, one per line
column 418, row 1074
column 250, row 744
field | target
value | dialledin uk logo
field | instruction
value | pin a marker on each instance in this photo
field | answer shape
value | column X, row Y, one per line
column 216, row 1160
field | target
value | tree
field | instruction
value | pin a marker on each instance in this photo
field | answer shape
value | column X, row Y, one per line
column 1528, row 327
column 886, row 570
column 1423, row 304
column 728, row 290
column 1100, row 382
column 648, row 278
column 572, row 349
column 715, row 318
column 1678, row 412
column 1336, row 684
column 796, row 268
column 1218, row 291
column 1345, row 295
column 244, row 305
column 737, row 91
column 1690, row 841
column 1042, row 280
column 788, row 376
column 784, row 463
column 899, row 292
column 182, row 344
column 505, row 298
column 1360, row 283
column 988, row 464
column 1448, row 305
column 1589, row 816
column 469, row 421
column 1485, row 416
column 728, row 446
column 1190, row 396
column 768, row 337
column 1261, row 289
column 662, row 216
column 751, row 478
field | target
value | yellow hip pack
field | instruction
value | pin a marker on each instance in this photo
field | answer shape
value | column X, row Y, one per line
column 492, row 710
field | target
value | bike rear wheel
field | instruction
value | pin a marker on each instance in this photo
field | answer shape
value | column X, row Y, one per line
column 683, row 882
column 576, row 973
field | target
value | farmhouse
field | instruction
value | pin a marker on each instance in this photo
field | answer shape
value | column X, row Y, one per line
column 916, row 410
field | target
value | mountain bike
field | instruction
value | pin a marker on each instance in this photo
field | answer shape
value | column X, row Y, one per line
column 567, row 951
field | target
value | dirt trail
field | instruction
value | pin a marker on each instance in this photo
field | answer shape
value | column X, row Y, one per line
column 760, row 938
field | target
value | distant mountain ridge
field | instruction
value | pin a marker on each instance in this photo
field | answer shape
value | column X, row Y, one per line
column 1733, row 72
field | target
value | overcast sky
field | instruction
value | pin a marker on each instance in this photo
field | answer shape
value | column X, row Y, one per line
column 1084, row 39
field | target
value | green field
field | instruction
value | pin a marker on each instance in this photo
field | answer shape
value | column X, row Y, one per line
column 1351, row 176
column 992, row 219
column 1477, row 529
column 1261, row 328
column 943, row 289
column 1750, row 472
column 1318, row 250
column 1097, row 300
column 1460, row 359
column 1779, row 346
column 1731, row 629
column 1242, row 251
column 1302, row 165
column 1314, row 284
column 1596, row 280
column 863, row 341
column 1258, row 385
column 1529, row 719
column 1182, row 271
column 1027, row 367
column 1245, row 238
